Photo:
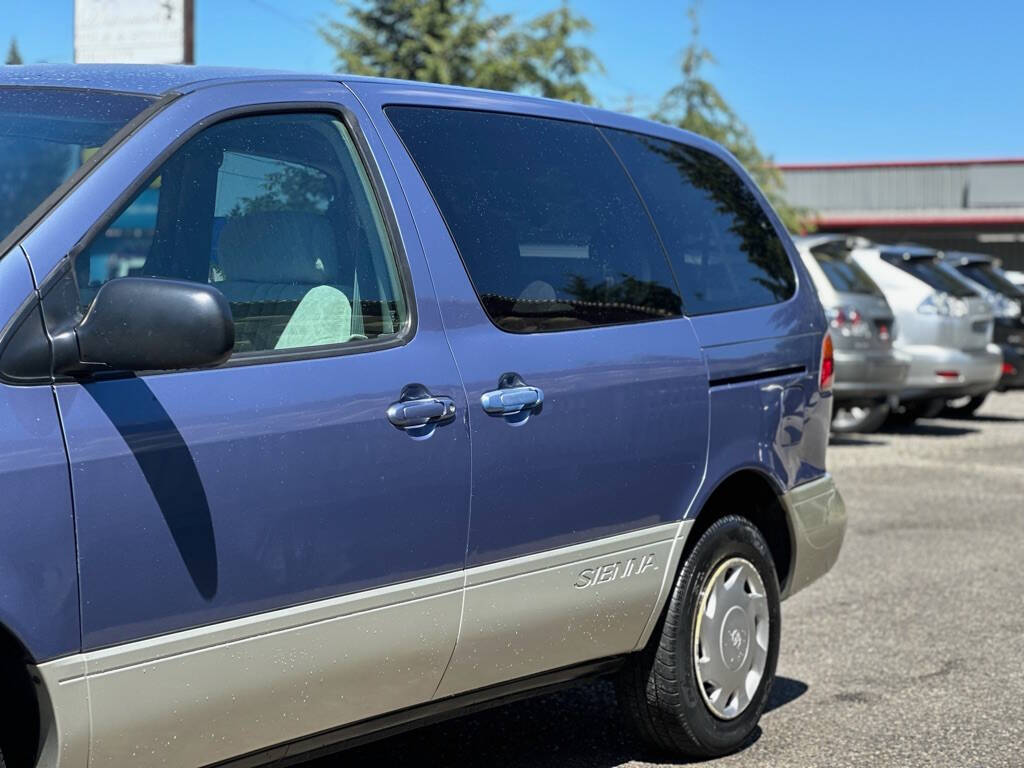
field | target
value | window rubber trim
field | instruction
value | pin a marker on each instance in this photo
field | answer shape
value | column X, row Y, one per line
column 350, row 120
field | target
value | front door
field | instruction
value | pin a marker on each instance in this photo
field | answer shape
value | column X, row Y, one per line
column 587, row 390
column 274, row 547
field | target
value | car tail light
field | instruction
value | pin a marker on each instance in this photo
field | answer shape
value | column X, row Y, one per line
column 948, row 374
column 849, row 322
column 828, row 364
column 1009, row 370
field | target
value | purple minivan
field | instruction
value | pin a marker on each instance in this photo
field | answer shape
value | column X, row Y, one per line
column 330, row 405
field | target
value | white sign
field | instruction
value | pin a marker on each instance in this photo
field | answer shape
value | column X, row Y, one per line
column 133, row 31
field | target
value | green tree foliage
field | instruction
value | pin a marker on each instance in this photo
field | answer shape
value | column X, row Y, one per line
column 293, row 188
column 697, row 105
column 13, row 54
column 456, row 42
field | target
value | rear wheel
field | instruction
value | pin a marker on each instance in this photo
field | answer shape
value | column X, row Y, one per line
column 963, row 407
column 906, row 414
column 700, row 686
column 859, row 418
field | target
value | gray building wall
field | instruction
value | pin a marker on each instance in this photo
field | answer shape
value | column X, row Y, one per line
column 970, row 205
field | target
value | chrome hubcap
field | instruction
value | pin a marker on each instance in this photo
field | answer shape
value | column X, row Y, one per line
column 845, row 417
column 731, row 637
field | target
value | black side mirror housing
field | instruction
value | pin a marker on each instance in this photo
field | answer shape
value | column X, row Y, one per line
column 148, row 324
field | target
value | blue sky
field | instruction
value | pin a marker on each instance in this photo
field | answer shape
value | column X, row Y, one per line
column 815, row 80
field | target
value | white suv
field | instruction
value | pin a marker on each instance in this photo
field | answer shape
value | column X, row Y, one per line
column 945, row 327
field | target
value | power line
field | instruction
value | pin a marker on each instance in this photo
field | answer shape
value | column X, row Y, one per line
column 303, row 24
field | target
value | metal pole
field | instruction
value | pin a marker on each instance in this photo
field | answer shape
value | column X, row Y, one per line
column 190, row 32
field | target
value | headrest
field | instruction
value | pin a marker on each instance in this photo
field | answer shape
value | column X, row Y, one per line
column 278, row 247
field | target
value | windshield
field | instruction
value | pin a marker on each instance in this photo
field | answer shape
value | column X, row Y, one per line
column 991, row 278
column 45, row 135
column 845, row 274
column 930, row 272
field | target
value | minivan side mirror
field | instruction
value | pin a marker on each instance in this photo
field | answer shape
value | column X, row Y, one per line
column 148, row 324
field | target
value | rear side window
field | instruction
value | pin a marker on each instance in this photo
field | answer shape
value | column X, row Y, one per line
column 992, row 278
column 549, row 227
column 931, row 273
column 276, row 212
column 724, row 250
column 843, row 273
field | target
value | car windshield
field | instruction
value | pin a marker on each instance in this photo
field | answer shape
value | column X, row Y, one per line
column 845, row 274
column 929, row 271
column 45, row 135
column 991, row 278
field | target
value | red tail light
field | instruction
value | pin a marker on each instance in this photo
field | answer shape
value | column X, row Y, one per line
column 1009, row 370
column 828, row 364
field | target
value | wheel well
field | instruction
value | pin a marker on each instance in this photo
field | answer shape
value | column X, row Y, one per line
column 19, row 729
column 749, row 494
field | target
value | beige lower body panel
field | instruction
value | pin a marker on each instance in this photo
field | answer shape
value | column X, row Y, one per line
column 251, row 685
column 555, row 609
column 205, row 695
column 817, row 521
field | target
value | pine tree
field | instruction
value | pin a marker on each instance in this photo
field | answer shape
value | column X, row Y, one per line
column 697, row 105
column 456, row 42
column 13, row 54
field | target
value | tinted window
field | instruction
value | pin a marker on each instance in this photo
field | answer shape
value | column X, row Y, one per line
column 723, row 248
column 931, row 273
column 276, row 212
column 550, row 229
column 843, row 273
column 992, row 278
column 45, row 135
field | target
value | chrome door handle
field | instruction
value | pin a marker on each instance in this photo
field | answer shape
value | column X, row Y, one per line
column 507, row 402
column 512, row 396
column 418, row 408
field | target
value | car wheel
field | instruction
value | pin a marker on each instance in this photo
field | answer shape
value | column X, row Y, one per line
column 906, row 414
column 858, row 418
column 963, row 407
column 699, row 687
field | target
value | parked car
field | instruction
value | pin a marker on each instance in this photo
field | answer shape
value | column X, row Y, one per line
column 395, row 400
column 944, row 325
column 1006, row 300
column 870, row 372
column 1016, row 277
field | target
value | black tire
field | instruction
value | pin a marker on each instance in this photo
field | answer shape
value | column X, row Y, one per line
column 658, row 688
column 906, row 414
column 965, row 410
column 866, row 419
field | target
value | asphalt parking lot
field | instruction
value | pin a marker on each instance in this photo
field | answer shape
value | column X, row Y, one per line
column 910, row 653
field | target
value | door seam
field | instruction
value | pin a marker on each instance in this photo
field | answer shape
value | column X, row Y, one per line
column 455, row 362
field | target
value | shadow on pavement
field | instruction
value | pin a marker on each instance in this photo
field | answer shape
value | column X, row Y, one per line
column 785, row 690
column 993, row 418
column 927, row 430
column 856, row 441
column 579, row 727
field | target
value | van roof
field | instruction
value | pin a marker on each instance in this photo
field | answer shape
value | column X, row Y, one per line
column 157, row 80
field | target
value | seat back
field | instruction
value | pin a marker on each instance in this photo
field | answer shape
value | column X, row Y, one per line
column 268, row 262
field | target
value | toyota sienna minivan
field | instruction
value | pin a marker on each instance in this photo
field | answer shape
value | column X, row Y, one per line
column 944, row 325
column 330, row 405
